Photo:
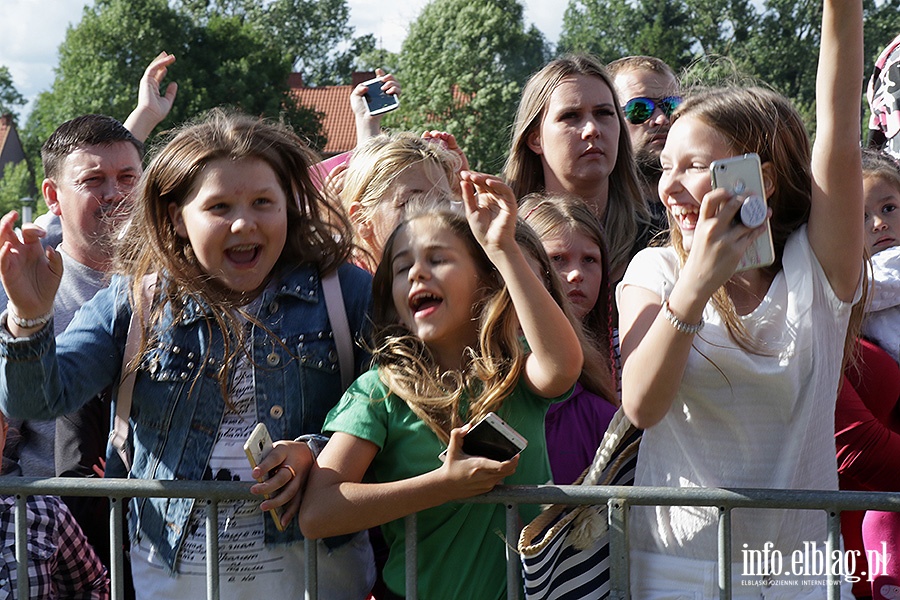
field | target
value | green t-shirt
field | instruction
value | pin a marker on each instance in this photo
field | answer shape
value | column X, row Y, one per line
column 461, row 546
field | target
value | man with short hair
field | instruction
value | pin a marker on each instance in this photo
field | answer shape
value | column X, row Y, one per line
column 91, row 163
column 648, row 92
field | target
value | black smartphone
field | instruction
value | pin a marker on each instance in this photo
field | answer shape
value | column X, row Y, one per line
column 492, row 438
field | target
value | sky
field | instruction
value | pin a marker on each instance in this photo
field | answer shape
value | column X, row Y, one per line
column 29, row 47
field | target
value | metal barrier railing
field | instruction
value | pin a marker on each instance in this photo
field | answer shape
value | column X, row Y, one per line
column 618, row 500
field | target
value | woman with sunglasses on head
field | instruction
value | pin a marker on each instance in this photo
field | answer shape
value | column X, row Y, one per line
column 570, row 137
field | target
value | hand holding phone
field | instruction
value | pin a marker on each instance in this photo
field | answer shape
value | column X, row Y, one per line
column 492, row 438
column 257, row 447
column 742, row 176
column 377, row 101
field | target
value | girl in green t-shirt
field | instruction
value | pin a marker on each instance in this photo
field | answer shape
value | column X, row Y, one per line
column 452, row 295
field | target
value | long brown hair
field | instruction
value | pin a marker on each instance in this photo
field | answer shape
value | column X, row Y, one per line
column 759, row 120
column 557, row 215
column 626, row 208
column 407, row 367
column 318, row 231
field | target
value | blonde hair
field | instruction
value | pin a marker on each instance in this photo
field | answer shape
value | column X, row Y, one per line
column 318, row 231
column 626, row 209
column 375, row 166
column 407, row 367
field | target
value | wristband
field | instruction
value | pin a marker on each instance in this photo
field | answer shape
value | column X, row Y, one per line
column 30, row 323
column 678, row 324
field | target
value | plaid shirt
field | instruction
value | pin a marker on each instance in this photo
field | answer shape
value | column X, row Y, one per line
column 61, row 563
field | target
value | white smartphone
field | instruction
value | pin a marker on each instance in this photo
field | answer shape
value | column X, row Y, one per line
column 492, row 438
column 257, row 446
column 743, row 175
column 376, row 100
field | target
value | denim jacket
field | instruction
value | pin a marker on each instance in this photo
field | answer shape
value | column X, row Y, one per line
column 177, row 401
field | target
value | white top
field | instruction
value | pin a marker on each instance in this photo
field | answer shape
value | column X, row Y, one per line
column 743, row 420
column 882, row 324
column 247, row 566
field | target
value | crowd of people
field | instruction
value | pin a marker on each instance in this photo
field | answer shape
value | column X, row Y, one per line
column 371, row 308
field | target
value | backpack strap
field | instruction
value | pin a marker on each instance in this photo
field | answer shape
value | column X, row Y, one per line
column 118, row 435
column 337, row 316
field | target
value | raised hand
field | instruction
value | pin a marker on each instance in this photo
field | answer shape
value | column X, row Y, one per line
column 29, row 272
column 718, row 243
column 490, row 209
column 368, row 126
column 152, row 107
column 448, row 141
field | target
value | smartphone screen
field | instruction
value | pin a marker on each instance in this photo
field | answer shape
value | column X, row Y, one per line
column 377, row 101
column 493, row 440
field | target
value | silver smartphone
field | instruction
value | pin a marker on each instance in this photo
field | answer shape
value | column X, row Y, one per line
column 377, row 101
column 742, row 175
column 257, row 447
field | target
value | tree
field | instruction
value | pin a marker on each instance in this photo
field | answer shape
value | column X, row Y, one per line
column 223, row 59
column 611, row 29
column 10, row 98
column 463, row 66
column 715, row 41
column 16, row 183
column 315, row 35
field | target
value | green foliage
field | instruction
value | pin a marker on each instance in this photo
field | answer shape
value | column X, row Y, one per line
column 462, row 66
column 224, row 58
column 375, row 58
column 10, row 98
column 613, row 28
column 15, row 184
column 722, row 41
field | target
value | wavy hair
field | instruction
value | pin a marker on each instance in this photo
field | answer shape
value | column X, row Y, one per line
column 626, row 209
column 406, row 365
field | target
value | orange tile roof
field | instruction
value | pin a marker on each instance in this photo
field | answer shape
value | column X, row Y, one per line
column 338, row 123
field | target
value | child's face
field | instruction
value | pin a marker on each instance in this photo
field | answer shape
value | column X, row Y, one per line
column 435, row 286
column 690, row 148
column 882, row 214
column 415, row 181
column 235, row 219
column 579, row 262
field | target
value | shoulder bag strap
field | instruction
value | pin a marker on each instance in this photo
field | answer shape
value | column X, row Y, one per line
column 337, row 315
column 118, row 436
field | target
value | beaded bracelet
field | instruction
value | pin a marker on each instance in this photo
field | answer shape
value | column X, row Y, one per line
column 30, row 323
column 688, row 328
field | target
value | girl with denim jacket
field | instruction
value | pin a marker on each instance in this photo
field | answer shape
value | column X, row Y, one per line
column 234, row 331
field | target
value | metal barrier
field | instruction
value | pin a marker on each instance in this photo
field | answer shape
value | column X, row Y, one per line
column 618, row 499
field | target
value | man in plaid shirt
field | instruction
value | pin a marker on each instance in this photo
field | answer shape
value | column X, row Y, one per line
column 61, row 562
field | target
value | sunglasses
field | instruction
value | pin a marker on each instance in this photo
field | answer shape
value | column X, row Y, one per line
column 639, row 110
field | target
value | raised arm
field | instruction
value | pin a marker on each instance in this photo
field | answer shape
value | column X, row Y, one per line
column 152, row 107
column 837, row 194
column 368, row 126
column 555, row 361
